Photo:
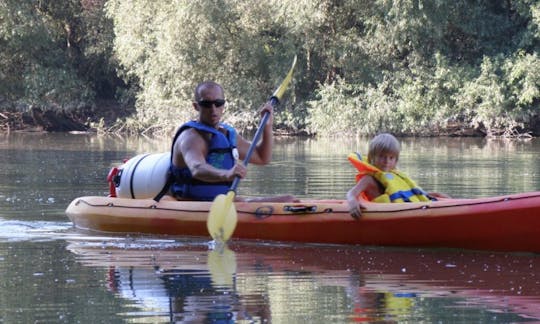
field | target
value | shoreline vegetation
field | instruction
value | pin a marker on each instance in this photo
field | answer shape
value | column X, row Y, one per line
column 410, row 68
column 38, row 121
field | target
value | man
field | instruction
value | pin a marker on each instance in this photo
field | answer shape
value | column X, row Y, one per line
column 206, row 152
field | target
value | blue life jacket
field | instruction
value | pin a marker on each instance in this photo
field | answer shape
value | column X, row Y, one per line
column 220, row 155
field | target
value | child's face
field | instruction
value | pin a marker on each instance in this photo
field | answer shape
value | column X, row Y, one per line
column 386, row 161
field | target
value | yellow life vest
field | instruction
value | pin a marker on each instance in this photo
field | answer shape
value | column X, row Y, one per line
column 398, row 186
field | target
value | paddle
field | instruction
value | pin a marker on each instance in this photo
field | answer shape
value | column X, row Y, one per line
column 221, row 262
column 222, row 218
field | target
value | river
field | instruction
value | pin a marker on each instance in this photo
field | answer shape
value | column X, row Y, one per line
column 53, row 272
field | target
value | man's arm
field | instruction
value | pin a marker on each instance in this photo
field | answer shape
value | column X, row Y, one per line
column 193, row 149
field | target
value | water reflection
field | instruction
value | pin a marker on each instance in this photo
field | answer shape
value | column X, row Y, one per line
column 107, row 279
column 296, row 283
column 177, row 282
column 46, row 171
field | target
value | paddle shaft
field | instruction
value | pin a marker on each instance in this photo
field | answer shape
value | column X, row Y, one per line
column 274, row 101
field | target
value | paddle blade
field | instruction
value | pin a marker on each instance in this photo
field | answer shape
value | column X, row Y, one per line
column 278, row 94
column 222, row 266
column 231, row 218
column 222, row 219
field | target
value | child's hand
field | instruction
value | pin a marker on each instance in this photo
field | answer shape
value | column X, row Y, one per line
column 355, row 208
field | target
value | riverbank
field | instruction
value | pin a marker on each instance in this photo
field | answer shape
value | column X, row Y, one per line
column 105, row 114
column 110, row 114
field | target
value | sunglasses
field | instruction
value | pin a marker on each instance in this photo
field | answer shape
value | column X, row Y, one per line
column 208, row 103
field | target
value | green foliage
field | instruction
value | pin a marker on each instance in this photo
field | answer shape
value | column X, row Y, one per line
column 46, row 59
column 505, row 95
column 405, row 102
column 170, row 46
column 432, row 67
column 403, row 66
column 523, row 78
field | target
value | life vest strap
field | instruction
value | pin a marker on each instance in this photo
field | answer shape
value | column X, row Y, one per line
column 405, row 195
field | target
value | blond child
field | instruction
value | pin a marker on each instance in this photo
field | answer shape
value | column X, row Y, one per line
column 378, row 179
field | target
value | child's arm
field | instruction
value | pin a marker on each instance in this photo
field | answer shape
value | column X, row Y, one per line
column 367, row 184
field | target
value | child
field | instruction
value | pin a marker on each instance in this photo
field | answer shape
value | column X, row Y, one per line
column 379, row 181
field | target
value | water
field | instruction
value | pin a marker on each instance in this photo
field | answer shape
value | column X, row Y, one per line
column 52, row 272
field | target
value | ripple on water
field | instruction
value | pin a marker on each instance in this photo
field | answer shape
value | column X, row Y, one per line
column 15, row 230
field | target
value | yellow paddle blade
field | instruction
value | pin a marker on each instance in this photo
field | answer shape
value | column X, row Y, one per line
column 231, row 218
column 281, row 90
column 222, row 266
column 222, row 218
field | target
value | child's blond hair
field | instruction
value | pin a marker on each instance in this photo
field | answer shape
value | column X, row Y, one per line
column 383, row 143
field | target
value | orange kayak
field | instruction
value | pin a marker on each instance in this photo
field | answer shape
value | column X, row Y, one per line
column 501, row 223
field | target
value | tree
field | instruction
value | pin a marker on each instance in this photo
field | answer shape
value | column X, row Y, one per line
column 55, row 54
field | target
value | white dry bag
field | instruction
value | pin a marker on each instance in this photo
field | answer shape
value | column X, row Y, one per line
column 143, row 176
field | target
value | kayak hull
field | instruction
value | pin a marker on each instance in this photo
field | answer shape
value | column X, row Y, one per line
column 502, row 223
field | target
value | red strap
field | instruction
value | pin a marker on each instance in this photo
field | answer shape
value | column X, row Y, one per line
column 110, row 178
